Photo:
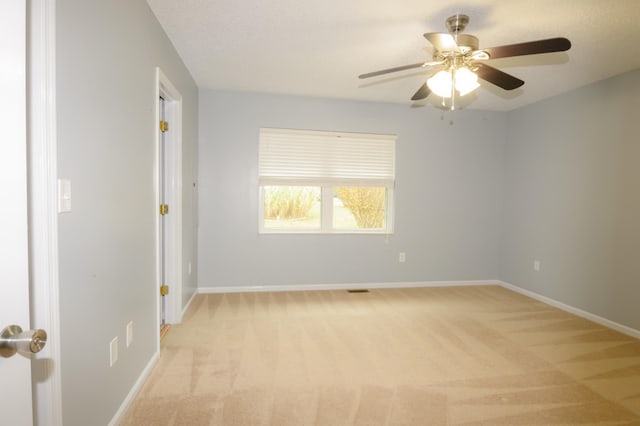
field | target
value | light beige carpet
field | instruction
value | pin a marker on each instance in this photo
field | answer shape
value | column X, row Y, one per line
column 424, row 356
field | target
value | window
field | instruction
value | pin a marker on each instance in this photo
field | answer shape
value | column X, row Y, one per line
column 325, row 182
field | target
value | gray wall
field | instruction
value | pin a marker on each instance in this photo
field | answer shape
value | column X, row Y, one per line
column 572, row 199
column 448, row 197
column 107, row 52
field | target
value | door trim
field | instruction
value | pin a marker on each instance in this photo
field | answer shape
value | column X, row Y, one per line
column 173, row 256
column 43, row 221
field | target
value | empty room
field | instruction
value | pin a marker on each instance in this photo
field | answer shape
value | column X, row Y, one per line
column 322, row 213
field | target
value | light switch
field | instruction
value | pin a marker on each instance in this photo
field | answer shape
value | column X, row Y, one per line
column 64, row 195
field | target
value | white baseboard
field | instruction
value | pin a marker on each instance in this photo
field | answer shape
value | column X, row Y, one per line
column 186, row 307
column 134, row 390
column 576, row 311
column 311, row 287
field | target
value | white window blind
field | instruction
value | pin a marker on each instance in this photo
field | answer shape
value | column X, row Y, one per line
column 304, row 157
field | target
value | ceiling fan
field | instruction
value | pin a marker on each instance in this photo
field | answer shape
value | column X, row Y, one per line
column 458, row 62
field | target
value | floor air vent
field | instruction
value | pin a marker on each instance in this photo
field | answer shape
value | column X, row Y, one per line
column 358, row 290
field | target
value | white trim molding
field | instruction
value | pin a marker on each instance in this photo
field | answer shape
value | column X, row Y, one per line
column 45, row 307
column 135, row 389
column 573, row 310
column 353, row 286
column 188, row 304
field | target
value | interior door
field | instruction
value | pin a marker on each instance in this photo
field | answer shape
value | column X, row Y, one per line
column 15, row 403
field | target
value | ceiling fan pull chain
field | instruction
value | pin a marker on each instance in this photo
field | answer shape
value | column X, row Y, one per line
column 453, row 90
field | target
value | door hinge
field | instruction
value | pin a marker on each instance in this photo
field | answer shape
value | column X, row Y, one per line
column 164, row 209
column 164, row 126
column 164, row 290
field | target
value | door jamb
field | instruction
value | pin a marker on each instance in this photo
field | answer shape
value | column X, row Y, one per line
column 173, row 256
column 43, row 221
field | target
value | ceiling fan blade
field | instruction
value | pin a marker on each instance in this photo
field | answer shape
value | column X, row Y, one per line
column 443, row 42
column 401, row 68
column 497, row 77
column 558, row 44
column 422, row 93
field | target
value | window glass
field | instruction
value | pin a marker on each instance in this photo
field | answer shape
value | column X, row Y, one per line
column 359, row 207
column 292, row 207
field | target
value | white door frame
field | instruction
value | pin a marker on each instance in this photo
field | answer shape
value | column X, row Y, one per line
column 173, row 197
column 43, row 222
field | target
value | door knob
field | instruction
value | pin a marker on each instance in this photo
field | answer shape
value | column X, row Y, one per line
column 13, row 339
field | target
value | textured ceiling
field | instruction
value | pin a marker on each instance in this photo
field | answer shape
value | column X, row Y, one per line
column 318, row 48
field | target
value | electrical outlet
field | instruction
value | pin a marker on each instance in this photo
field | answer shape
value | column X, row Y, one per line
column 113, row 351
column 536, row 265
column 402, row 257
column 129, row 333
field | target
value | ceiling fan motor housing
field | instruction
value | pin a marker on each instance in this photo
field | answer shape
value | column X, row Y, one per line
column 467, row 42
column 465, row 45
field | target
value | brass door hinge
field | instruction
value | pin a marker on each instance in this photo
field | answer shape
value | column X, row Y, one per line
column 164, row 126
column 164, row 209
column 164, row 290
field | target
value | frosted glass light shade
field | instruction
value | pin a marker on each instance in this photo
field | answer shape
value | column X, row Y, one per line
column 441, row 83
column 466, row 81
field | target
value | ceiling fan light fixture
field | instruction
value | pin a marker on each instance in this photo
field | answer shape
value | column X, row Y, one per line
column 466, row 81
column 441, row 84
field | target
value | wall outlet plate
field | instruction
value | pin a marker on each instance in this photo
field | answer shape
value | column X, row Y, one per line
column 113, row 352
column 129, row 333
column 536, row 265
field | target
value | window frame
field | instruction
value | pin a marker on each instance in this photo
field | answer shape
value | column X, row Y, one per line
column 326, row 186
